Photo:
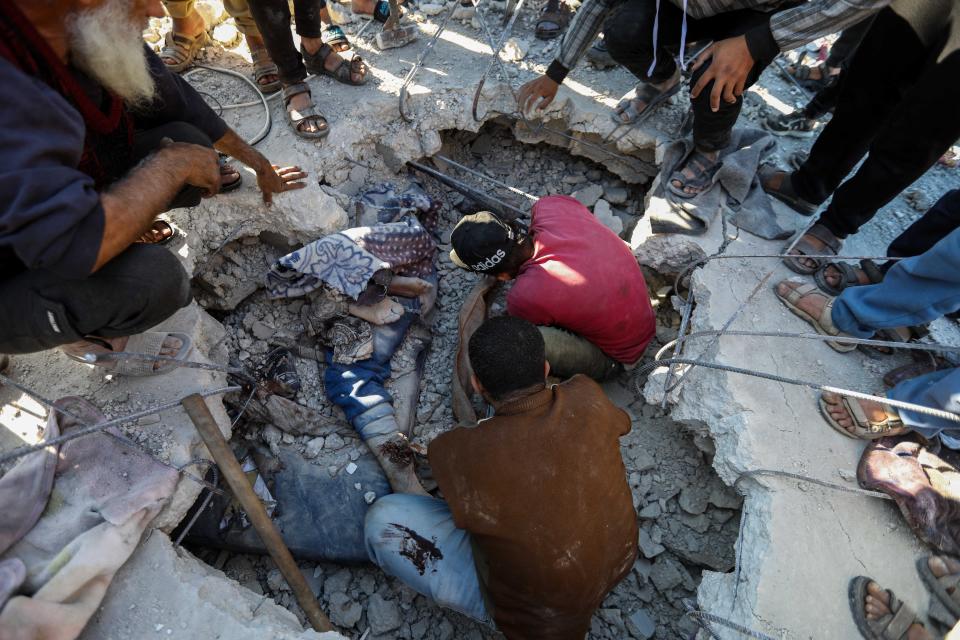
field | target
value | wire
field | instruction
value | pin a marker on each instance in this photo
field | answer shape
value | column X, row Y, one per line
column 268, row 118
column 917, row 346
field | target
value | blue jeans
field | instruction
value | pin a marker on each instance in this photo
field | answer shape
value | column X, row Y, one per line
column 914, row 291
column 413, row 538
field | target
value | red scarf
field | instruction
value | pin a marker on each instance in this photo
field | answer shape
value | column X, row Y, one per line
column 23, row 46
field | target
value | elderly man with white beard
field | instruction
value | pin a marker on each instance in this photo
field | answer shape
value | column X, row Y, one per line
column 96, row 139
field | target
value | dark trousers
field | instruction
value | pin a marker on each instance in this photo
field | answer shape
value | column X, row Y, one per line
column 138, row 289
column 629, row 37
column 273, row 20
column 824, row 100
column 900, row 111
column 940, row 220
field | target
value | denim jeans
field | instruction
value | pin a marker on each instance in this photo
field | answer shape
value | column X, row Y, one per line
column 413, row 538
column 914, row 291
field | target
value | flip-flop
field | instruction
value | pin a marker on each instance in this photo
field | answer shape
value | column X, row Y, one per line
column 824, row 324
column 890, row 627
column 863, row 428
column 149, row 343
column 803, row 247
column 704, row 170
column 649, row 95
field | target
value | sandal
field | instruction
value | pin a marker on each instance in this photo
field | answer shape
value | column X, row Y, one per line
column 162, row 231
column 626, row 111
column 182, row 49
column 832, row 246
column 381, row 12
column 228, row 183
column 704, row 169
column 149, row 343
column 915, row 369
column 802, row 73
column 343, row 72
column 785, row 192
column 310, row 114
column 894, row 626
column 264, row 67
column 938, row 588
column 849, row 276
column 823, row 324
column 552, row 23
column 336, row 38
column 863, row 428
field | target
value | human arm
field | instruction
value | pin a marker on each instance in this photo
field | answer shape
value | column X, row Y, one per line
column 733, row 58
column 584, row 27
column 270, row 178
column 132, row 203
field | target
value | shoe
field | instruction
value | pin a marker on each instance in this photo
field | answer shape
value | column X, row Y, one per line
column 790, row 124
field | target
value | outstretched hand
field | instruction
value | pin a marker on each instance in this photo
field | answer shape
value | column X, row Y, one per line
column 542, row 88
column 729, row 69
column 273, row 179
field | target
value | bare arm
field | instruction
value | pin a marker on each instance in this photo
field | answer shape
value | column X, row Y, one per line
column 270, row 178
column 131, row 204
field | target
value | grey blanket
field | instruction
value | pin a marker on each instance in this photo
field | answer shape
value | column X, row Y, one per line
column 735, row 187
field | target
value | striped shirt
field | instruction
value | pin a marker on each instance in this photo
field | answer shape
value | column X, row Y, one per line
column 791, row 25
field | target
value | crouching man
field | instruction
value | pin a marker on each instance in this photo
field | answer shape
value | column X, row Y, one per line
column 538, row 524
column 96, row 139
column 575, row 278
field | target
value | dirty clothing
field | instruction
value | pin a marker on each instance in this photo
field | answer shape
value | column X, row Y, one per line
column 585, row 279
column 569, row 354
column 542, row 491
column 824, row 100
column 414, row 538
column 273, row 20
column 237, row 9
column 914, row 291
column 901, row 115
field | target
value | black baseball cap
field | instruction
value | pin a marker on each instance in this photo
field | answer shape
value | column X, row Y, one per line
column 481, row 242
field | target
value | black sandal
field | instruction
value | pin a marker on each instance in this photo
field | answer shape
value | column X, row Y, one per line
column 849, row 276
column 804, row 248
column 552, row 24
column 343, row 72
column 704, row 169
column 310, row 114
column 785, row 192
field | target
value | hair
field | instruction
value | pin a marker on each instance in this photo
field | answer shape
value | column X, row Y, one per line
column 507, row 355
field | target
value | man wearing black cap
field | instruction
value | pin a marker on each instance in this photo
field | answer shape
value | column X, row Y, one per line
column 575, row 279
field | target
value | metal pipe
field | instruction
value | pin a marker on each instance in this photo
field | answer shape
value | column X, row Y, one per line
column 501, row 208
column 242, row 490
column 484, row 176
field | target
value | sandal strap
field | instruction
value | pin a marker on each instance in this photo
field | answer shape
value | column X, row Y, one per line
column 825, row 236
column 179, row 46
column 292, row 90
column 901, row 620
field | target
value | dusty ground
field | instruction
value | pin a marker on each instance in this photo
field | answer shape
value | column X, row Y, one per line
column 689, row 518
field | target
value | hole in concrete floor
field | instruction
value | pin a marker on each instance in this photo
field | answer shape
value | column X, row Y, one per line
column 689, row 520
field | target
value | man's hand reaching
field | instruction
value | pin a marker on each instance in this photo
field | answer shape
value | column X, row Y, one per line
column 729, row 69
column 273, row 179
column 542, row 88
column 199, row 165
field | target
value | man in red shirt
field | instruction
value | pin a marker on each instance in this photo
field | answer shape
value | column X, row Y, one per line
column 575, row 279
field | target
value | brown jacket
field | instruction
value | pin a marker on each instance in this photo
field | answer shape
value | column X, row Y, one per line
column 542, row 489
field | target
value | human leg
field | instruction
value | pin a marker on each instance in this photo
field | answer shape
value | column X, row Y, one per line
column 239, row 10
column 187, row 36
column 867, row 97
column 138, row 289
column 938, row 222
column 914, row 291
column 937, row 390
column 847, row 43
column 413, row 538
column 570, row 354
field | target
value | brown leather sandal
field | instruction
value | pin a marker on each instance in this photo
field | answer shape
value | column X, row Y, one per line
column 343, row 72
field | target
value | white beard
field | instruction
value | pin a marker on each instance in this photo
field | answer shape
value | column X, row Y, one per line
column 107, row 44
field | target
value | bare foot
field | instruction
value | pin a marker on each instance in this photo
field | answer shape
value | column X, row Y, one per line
column 877, row 605
column 942, row 566
column 171, row 347
column 875, row 412
column 408, row 287
column 383, row 312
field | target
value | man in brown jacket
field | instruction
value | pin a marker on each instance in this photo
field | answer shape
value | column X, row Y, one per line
column 538, row 523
